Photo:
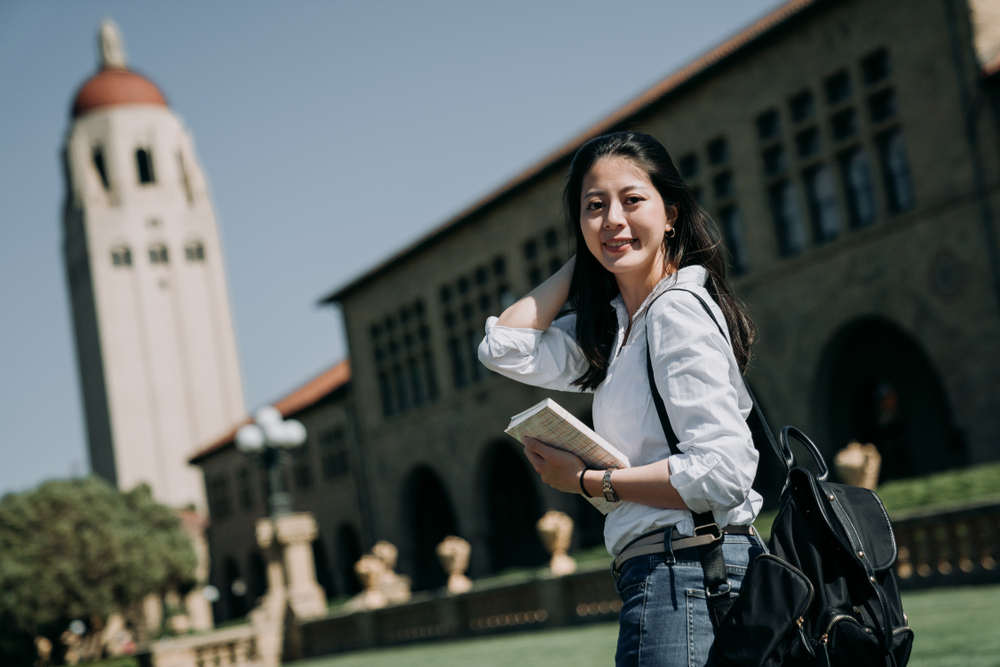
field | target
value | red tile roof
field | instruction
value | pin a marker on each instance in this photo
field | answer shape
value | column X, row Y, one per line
column 659, row 90
column 299, row 399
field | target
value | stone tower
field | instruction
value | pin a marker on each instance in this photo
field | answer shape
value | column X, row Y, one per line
column 154, row 335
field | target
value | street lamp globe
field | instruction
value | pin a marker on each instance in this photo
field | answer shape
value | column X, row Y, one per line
column 250, row 439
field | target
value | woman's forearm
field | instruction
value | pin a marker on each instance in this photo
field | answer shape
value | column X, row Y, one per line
column 539, row 307
column 647, row 485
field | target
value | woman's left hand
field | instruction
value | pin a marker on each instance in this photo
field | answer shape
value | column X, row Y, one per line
column 557, row 468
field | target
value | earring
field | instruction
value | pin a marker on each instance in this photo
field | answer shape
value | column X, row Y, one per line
column 670, row 233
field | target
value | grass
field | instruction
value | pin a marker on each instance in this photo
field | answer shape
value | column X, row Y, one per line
column 952, row 627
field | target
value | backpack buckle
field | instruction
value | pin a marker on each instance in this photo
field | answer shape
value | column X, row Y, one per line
column 709, row 530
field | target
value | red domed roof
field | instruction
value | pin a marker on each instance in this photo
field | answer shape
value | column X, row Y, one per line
column 114, row 86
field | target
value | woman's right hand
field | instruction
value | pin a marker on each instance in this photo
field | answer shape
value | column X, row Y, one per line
column 539, row 307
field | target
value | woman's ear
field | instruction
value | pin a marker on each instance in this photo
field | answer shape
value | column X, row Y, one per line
column 672, row 213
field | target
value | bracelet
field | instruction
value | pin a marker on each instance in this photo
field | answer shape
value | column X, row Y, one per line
column 582, row 487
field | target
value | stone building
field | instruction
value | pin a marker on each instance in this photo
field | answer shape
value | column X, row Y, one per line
column 848, row 151
column 154, row 336
column 323, row 475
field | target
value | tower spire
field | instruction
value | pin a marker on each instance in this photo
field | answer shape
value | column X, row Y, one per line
column 110, row 45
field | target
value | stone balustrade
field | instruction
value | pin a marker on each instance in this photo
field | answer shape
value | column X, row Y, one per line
column 947, row 548
column 234, row 646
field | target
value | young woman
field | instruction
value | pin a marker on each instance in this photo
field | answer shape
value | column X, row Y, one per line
column 641, row 238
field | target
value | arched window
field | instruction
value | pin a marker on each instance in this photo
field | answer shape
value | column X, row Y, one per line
column 102, row 170
column 194, row 251
column 121, row 256
column 158, row 253
column 144, row 163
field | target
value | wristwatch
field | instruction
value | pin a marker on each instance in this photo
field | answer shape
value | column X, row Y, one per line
column 607, row 489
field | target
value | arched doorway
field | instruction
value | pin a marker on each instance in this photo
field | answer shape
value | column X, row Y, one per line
column 257, row 586
column 875, row 384
column 512, row 507
column 324, row 574
column 427, row 511
column 235, row 593
column 348, row 553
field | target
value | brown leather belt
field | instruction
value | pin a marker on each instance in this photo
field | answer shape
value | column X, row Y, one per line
column 653, row 543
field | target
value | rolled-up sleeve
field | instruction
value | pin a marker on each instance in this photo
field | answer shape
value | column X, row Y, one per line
column 702, row 390
column 550, row 358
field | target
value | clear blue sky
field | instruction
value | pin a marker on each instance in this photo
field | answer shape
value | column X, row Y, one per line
column 332, row 134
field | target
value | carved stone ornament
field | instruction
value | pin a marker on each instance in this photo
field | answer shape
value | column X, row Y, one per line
column 556, row 529
column 453, row 552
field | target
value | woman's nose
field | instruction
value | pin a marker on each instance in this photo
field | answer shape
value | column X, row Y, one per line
column 615, row 216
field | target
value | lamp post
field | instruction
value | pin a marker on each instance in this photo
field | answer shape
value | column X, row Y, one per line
column 269, row 438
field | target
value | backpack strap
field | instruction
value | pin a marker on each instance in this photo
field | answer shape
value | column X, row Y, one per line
column 713, row 563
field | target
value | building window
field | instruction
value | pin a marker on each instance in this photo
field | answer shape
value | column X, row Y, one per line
column 688, row 165
column 882, row 106
column 718, row 151
column 544, row 255
column 245, row 486
column 732, row 230
column 220, row 505
column 144, row 163
column 844, row 124
column 895, row 171
column 333, row 452
column 158, row 253
column 875, row 66
column 194, row 251
column 121, row 256
column 802, row 106
column 856, row 174
column 464, row 315
column 722, row 184
column 403, row 359
column 767, row 125
column 821, row 193
column 774, row 160
column 787, row 219
column 838, row 87
column 100, row 166
column 807, row 142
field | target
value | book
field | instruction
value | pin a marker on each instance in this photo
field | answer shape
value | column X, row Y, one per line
column 556, row 426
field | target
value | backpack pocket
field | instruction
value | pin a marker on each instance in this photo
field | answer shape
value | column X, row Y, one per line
column 848, row 643
column 768, row 613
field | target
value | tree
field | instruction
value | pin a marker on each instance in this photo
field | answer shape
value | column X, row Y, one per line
column 80, row 549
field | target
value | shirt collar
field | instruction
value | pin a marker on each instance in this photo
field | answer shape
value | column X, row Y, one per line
column 688, row 276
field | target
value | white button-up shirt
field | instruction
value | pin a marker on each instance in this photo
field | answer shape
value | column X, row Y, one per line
column 701, row 386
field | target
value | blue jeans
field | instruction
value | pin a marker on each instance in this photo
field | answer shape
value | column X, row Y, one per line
column 664, row 618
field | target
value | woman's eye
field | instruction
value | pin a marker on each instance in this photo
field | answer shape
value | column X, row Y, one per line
column 593, row 205
column 633, row 200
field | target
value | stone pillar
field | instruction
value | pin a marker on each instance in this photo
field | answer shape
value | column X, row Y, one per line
column 197, row 606
column 275, row 596
column 295, row 534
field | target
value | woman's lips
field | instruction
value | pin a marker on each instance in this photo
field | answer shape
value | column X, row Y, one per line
column 618, row 246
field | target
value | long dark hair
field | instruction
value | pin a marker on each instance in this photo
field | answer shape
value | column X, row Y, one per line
column 696, row 240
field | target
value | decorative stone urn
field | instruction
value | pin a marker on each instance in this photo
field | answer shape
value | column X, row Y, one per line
column 858, row 465
column 395, row 587
column 371, row 571
column 556, row 528
column 453, row 552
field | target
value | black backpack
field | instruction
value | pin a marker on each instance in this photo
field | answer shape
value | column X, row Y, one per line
column 826, row 594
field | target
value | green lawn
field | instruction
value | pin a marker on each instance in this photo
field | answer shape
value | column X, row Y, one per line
column 954, row 627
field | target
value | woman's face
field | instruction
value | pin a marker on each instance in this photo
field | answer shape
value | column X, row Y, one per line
column 623, row 219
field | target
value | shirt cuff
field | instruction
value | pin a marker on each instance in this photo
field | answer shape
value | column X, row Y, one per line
column 691, row 476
